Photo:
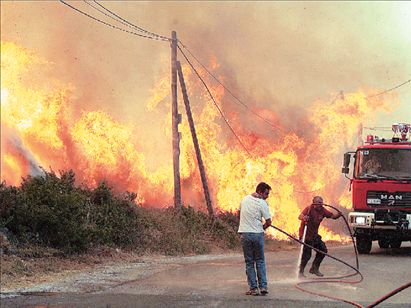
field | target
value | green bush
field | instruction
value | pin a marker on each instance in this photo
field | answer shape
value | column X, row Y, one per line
column 50, row 210
column 8, row 200
column 117, row 220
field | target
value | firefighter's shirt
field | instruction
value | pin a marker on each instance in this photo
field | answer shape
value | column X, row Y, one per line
column 316, row 217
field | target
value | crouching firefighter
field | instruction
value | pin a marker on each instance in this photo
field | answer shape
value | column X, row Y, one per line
column 311, row 218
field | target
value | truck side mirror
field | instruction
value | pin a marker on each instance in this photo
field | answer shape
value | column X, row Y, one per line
column 345, row 168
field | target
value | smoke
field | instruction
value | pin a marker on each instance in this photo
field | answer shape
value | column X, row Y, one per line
column 276, row 55
column 34, row 169
column 23, row 157
column 287, row 61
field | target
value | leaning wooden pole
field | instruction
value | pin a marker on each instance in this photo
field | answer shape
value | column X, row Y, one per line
column 175, row 120
column 195, row 141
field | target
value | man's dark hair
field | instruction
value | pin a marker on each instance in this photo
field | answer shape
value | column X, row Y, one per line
column 261, row 187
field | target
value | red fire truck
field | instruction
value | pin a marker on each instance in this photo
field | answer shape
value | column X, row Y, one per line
column 381, row 190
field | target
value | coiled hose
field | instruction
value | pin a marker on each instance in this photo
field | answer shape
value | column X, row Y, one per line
column 339, row 278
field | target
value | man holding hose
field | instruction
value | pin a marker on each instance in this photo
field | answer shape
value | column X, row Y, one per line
column 311, row 218
column 253, row 211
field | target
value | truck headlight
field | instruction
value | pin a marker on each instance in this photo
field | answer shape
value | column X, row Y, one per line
column 360, row 220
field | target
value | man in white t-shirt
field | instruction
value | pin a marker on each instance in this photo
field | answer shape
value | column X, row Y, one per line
column 253, row 209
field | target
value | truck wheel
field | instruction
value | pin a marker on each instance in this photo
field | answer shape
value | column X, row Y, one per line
column 395, row 243
column 363, row 245
column 384, row 243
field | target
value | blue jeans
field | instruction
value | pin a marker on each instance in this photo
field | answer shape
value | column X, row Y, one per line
column 253, row 248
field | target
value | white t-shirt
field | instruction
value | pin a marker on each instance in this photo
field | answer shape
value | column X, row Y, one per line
column 252, row 210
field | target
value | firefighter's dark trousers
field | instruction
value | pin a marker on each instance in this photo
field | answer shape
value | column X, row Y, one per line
column 316, row 243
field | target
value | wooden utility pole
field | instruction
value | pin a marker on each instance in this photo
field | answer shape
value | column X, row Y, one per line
column 195, row 140
column 176, row 119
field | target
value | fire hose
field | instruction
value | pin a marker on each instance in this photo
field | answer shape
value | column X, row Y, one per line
column 338, row 279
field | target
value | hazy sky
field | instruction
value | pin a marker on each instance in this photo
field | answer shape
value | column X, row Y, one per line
column 279, row 55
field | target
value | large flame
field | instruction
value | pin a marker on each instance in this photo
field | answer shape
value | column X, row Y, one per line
column 39, row 129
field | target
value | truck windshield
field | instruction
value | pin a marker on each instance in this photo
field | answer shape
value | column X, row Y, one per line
column 392, row 164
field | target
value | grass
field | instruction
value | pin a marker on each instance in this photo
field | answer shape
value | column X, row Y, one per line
column 51, row 211
column 53, row 225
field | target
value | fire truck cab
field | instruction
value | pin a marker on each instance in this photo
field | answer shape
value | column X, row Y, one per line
column 381, row 190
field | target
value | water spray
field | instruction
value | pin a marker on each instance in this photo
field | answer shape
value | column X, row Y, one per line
column 301, row 250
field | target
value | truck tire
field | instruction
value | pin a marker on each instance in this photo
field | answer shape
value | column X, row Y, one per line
column 395, row 243
column 363, row 245
column 384, row 243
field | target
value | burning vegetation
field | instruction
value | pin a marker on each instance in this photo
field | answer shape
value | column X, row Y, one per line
column 41, row 127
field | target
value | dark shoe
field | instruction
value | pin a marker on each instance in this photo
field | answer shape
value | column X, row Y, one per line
column 263, row 291
column 253, row 292
column 301, row 275
column 315, row 271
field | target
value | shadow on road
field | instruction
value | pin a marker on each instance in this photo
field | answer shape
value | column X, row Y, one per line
column 397, row 252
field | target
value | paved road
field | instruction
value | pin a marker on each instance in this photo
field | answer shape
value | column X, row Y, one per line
column 219, row 281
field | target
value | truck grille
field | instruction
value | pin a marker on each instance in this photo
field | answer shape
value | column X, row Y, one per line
column 389, row 217
column 385, row 199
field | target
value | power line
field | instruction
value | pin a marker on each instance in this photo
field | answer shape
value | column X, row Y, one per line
column 109, row 16
column 256, row 114
column 215, row 103
column 110, row 25
column 154, row 36
column 396, row 87
column 126, row 22
column 230, row 92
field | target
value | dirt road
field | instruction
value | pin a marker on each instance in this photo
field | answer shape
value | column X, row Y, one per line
column 219, row 280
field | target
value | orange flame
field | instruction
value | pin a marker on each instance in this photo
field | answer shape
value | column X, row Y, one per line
column 98, row 147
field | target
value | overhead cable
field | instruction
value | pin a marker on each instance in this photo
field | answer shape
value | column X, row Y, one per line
column 386, row 91
column 108, row 15
column 212, row 98
column 126, row 22
column 110, row 25
column 229, row 91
